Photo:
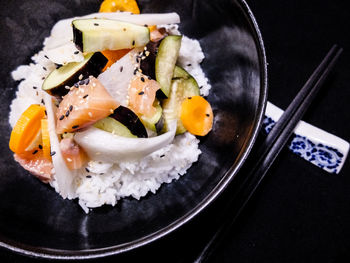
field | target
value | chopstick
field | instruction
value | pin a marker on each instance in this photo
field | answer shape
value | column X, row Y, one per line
column 271, row 147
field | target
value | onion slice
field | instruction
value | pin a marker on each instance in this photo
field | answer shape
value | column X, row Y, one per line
column 104, row 146
column 63, row 175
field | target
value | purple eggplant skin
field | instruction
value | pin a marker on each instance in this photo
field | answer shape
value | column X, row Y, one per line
column 128, row 118
column 148, row 65
column 78, row 38
column 93, row 67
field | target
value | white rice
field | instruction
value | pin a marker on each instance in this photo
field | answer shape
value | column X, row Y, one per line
column 102, row 183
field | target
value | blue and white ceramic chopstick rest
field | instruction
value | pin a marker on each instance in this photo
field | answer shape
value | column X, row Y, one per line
column 317, row 146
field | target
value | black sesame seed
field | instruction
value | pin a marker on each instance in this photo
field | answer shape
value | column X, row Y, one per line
column 145, row 25
column 42, row 102
column 149, row 77
column 82, row 82
column 200, row 87
column 75, row 126
column 46, row 57
column 133, row 42
column 40, row 146
column 189, row 65
column 58, row 65
column 85, row 96
column 142, row 79
column 141, row 92
column 88, row 176
column 95, row 24
column 76, row 52
column 70, row 107
column 189, row 98
column 37, row 93
column 43, row 78
column 35, row 87
column 137, row 59
column 86, row 169
column 45, row 112
column 121, row 69
column 76, row 85
column 35, row 151
column 162, row 156
column 101, row 173
column 87, row 81
column 135, row 71
column 61, row 118
column 67, row 113
column 44, row 68
column 207, row 115
column 52, row 153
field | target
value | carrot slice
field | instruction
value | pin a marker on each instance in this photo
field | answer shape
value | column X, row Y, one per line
column 108, row 6
column 26, row 128
column 45, row 136
column 197, row 115
column 113, row 56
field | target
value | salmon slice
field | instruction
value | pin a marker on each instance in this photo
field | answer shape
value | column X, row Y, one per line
column 74, row 156
column 86, row 103
column 35, row 163
column 142, row 93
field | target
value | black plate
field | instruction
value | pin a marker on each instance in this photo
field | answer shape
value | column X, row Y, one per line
column 35, row 221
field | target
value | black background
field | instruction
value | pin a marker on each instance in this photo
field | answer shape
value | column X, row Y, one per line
column 300, row 213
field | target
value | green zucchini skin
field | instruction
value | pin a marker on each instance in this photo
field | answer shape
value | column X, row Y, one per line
column 168, row 52
column 92, row 67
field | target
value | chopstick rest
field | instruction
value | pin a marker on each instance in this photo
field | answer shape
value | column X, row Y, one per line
column 315, row 145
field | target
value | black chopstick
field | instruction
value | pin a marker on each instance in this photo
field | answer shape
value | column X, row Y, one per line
column 271, row 147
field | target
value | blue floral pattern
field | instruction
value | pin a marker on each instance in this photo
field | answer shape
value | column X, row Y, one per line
column 323, row 156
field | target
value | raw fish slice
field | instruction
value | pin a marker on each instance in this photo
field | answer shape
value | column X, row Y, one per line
column 84, row 105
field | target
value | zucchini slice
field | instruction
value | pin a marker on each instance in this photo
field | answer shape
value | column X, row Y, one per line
column 71, row 73
column 168, row 52
column 113, row 126
column 181, row 88
column 91, row 35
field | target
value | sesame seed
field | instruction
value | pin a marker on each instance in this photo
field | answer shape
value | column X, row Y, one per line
column 101, row 173
column 121, row 69
column 80, row 76
column 52, row 153
column 76, row 52
column 200, row 87
column 133, row 42
column 87, row 81
column 189, row 98
column 149, row 77
column 189, row 65
column 141, row 92
column 43, row 78
column 88, row 176
column 69, row 159
column 70, row 107
column 35, row 87
column 37, row 93
column 86, row 169
column 85, row 96
column 44, row 68
column 76, row 85
column 46, row 57
column 90, row 114
column 42, row 102
column 35, row 152
column 135, row 71
column 82, row 82
column 147, row 53
column 75, row 126
column 162, row 156
column 67, row 113
column 142, row 79
column 124, row 29
column 61, row 118
column 66, row 87
column 58, row 65
column 45, row 112
column 111, row 110
column 40, row 146
column 145, row 25
column 95, row 24
column 207, row 115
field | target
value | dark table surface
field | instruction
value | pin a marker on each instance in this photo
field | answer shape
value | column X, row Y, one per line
column 300, row 213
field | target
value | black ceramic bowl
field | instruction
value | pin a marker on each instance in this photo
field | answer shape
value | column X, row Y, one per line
column 36, row 221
